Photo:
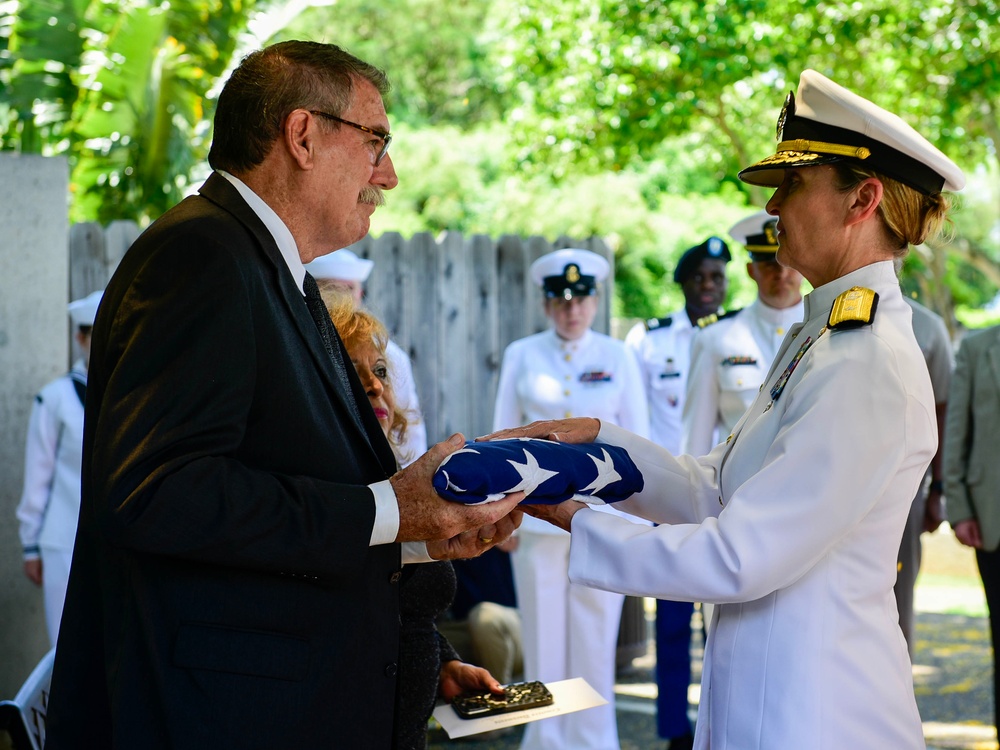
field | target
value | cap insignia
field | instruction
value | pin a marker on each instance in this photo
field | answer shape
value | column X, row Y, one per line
column 770, row 234
column 714, row 246
column 572, row 273
column 788, row 108
column 853, row 308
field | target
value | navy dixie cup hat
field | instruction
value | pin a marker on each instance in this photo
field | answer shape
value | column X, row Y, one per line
column 569, row 273
column 826, row 123
column 713, row 248
column 758, row 234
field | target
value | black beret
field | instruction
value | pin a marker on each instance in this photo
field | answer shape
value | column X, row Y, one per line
column 713, row 248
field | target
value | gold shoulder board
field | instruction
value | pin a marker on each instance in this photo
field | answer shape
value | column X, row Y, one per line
column 707, row 320
column 853, row 309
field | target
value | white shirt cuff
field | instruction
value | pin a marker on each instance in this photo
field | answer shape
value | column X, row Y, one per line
column 386, row 525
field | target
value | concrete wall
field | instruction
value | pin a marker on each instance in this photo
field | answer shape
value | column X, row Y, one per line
column 34, row 349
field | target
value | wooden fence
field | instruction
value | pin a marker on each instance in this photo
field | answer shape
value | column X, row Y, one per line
column 452, row 303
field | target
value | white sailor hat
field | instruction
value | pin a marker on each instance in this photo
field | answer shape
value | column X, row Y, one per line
column 83, row 311
column 569, row 273
column 757, row 233
column 340, row 264
column 826, row 123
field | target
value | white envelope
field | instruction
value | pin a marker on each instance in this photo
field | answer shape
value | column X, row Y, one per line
column 568, row 696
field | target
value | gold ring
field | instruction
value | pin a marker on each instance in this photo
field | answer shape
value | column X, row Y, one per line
column 486, row 539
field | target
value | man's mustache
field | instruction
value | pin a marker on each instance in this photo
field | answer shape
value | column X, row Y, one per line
column 372, row 195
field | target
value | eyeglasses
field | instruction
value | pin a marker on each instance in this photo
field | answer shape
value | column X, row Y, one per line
column 386, row 138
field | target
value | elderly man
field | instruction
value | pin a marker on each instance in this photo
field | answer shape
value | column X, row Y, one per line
column 236, row 573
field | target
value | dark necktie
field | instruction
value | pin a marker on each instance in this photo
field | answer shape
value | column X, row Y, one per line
column 321, row 317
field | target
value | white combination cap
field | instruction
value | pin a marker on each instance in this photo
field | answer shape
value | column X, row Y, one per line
column 826, row 123
column 758, row 234
column 341, row 264
column 83, row 311
column 569, row 273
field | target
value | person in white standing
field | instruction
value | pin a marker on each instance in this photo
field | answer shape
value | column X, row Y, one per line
column 792, row 526
column 568, row 630
column 50, row 503
column 345, row 272
column 663, row 347
column 730, row 358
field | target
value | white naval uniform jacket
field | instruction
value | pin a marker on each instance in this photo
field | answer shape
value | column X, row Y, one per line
column 792, row 529
column 544, row 377
column 664, row 356
column 729, row 361
column 50, row 503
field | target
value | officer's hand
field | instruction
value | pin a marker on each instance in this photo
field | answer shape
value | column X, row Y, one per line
column 575, row 430
column 560, row 514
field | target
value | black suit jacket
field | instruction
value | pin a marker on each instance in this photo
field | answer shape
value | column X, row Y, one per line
column 223, row 591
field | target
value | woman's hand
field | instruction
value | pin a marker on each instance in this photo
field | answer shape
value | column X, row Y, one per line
column 575, row 430
column 457, row 677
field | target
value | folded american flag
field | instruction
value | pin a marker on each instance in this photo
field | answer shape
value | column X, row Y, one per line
column 547, row 472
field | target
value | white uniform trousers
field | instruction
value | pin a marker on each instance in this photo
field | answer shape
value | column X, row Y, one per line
column 569, row 631
column 55, row 577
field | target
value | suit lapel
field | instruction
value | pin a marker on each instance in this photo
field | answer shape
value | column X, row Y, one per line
column 219, row 190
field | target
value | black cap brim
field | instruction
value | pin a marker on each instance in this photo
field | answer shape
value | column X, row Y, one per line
column 770, row 172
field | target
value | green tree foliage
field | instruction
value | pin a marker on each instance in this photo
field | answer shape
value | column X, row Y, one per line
column 434, row 52
column 120, row 88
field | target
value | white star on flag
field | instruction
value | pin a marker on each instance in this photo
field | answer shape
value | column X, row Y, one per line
column 606, row 473
column 531, row 473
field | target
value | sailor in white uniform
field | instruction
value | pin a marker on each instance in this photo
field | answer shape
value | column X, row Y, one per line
column 731, row 357
column 50, row 503
column 345, row 272
column 568, row 630
column 792, row 525
column 663, row 345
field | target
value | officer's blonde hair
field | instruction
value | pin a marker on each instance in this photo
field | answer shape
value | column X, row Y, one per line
column 908, row 216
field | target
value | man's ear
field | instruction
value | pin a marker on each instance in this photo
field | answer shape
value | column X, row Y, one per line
column 297, row 135
column 865, row 199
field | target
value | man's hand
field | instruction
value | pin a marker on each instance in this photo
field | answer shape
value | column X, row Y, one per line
column 475, row 542
column 967, row 532
column 575, row 430
column 560, row 515
column 425, row 517
column 33, row 569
